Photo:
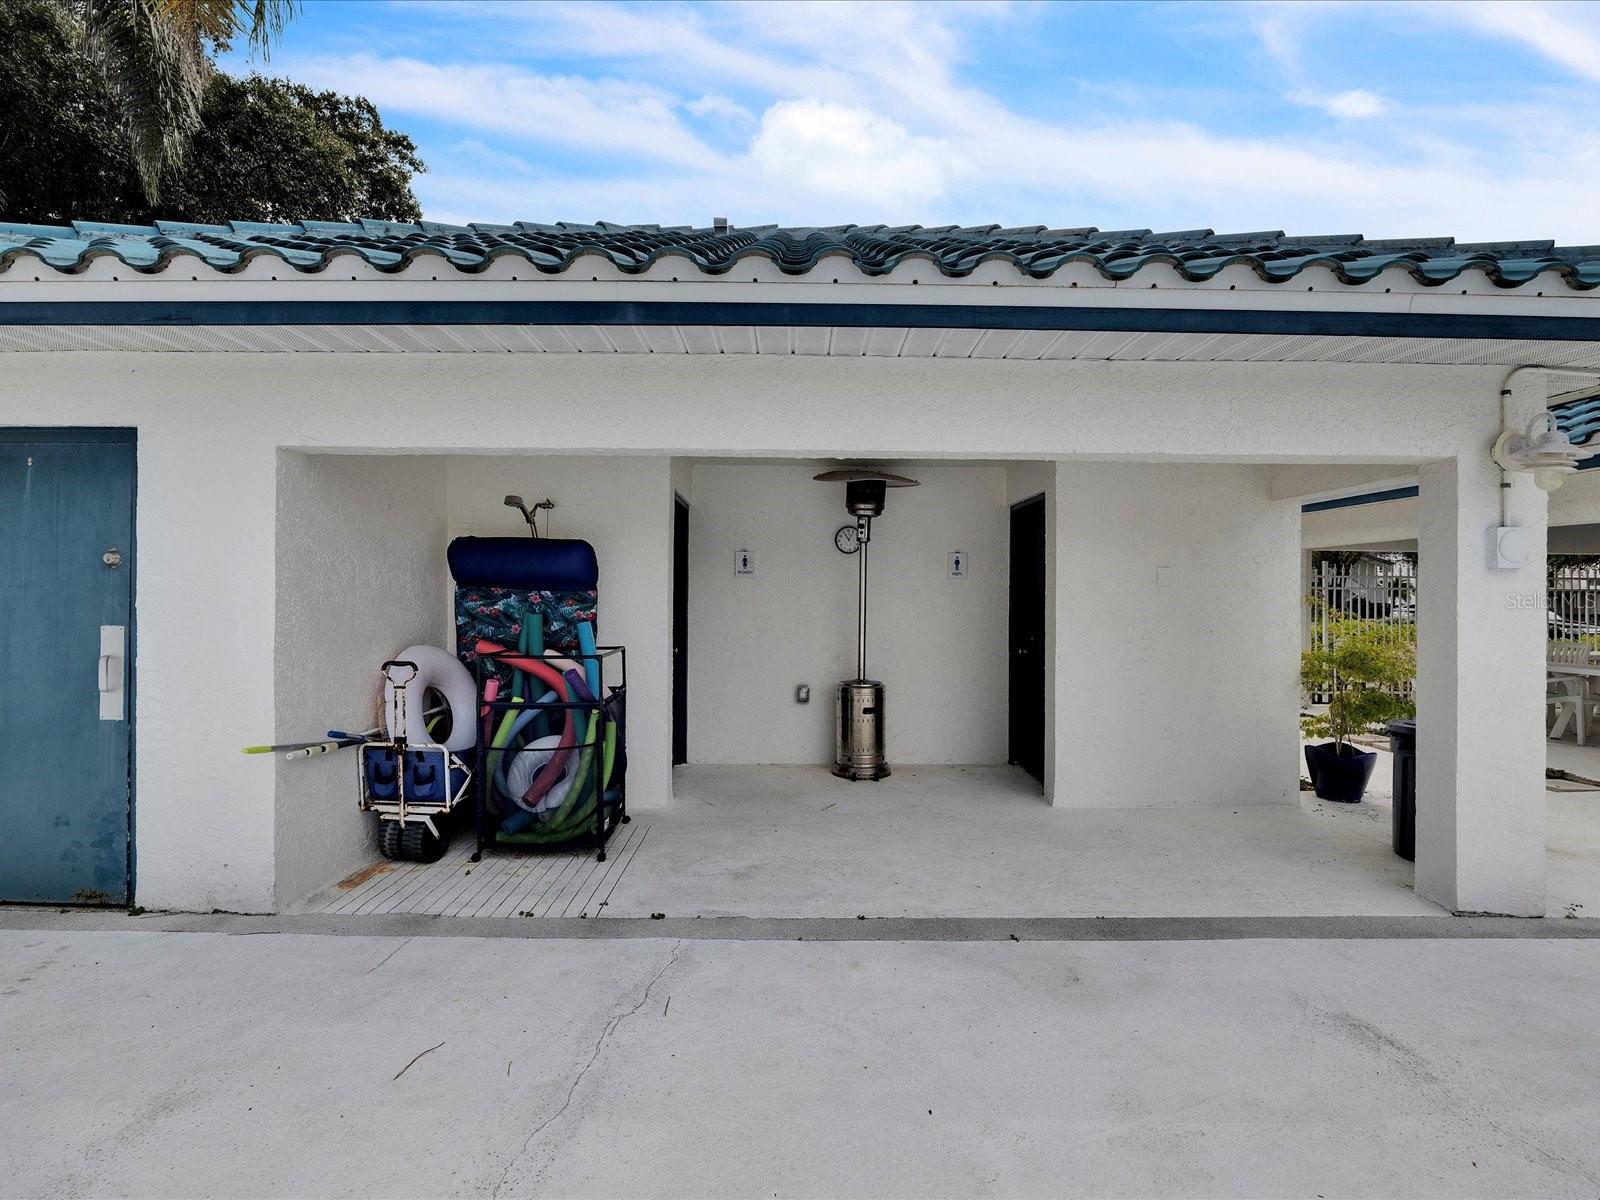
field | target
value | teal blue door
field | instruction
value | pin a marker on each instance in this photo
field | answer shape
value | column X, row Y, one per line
column 66, row 694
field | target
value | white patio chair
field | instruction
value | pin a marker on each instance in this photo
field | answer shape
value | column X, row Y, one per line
column 1566, row 694
column 1566, row 651
column 1577, row 653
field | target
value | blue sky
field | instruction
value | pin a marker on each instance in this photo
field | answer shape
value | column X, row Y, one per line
column 1480, row 121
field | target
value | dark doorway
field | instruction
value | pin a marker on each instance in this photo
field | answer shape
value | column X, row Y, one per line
column 1027, row 611
column 680, row 631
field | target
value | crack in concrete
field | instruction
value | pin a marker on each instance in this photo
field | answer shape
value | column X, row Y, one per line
column 390, row 955
column 594, row 1057
column 1422, row 1075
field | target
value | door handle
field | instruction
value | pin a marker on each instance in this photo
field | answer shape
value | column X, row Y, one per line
column 111, row 672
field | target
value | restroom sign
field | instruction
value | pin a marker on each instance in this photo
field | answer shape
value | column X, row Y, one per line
column 743, row 563
column 958, row 564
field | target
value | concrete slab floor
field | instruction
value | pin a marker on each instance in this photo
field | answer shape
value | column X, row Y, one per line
column 1572, row 826
column 952, row 842
column 165, row 1064
column 980, row 841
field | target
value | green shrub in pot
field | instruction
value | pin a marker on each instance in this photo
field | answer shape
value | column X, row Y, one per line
column 1361, row 670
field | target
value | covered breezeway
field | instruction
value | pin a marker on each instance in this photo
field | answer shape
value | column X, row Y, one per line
column 1174, row 554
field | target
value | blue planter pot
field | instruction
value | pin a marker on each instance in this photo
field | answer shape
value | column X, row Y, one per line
column 1340, row 777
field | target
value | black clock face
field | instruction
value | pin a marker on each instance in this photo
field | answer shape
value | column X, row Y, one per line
column 845, row 539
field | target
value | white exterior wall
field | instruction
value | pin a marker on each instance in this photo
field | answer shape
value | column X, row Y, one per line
column 1177, row 636
column 360, row 561
column 937, row 643
column 210, row 427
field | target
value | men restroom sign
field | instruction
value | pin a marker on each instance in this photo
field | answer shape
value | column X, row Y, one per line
column 743, row 564
column 958, row 564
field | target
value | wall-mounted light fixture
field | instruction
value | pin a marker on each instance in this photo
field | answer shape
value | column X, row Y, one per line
column 1543, row 450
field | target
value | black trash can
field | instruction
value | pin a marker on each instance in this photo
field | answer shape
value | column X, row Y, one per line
column 1403, row 743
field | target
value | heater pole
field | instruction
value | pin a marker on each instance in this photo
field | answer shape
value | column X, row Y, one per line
column 861, row 602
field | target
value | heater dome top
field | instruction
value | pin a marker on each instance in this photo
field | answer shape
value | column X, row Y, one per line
column 864, row 475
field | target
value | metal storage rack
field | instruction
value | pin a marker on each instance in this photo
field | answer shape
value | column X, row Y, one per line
column 602, row 714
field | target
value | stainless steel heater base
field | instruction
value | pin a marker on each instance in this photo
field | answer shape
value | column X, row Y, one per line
column 858, row 731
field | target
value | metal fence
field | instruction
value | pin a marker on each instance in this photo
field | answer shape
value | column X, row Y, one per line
column 1574, row 601
column 1381, row 592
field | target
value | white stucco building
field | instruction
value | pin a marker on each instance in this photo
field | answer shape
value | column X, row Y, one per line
column 316, row 410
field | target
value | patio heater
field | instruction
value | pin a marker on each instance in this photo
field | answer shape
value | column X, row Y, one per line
column 858, row 717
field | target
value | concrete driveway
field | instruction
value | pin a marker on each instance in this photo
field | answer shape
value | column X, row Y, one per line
column 151, row 1063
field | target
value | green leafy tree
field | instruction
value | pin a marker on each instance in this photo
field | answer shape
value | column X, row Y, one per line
column 271, row 150
column 264, row 150
column 1359, row 669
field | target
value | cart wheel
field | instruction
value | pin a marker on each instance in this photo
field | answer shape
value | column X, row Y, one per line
column 389, row 839
column 420, row 845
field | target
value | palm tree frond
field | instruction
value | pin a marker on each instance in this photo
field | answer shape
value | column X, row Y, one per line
column 156, row 71
column 259, row 22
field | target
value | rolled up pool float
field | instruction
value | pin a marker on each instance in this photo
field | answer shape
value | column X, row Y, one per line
column 442, row 672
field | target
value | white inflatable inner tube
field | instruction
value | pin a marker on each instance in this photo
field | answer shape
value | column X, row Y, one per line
column 526, row 763
column 442, row 672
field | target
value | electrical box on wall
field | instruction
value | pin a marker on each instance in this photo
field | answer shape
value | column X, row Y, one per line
column 1510, row 547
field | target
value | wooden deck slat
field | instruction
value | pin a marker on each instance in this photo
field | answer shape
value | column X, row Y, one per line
column 363, row 896
column 614, row 855
column 600, row 909
column 525, row 899
column 396, row 899
column 528, row 869
column 505, row 883
column 498, row 869
column 616, row 861
column 491, row 871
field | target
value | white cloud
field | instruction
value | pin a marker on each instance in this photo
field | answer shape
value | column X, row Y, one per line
column 834, row 150
column 721, row 108
column 605, row 115
column 1358, row 104
column 1568, row 34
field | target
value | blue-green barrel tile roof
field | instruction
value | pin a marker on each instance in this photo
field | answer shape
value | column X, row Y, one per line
column 956, row 251
column 1579, row 419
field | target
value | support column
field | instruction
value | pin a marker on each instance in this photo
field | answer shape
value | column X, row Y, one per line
column 1480, row 688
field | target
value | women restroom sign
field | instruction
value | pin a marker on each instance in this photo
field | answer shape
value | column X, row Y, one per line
column 743, row 563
